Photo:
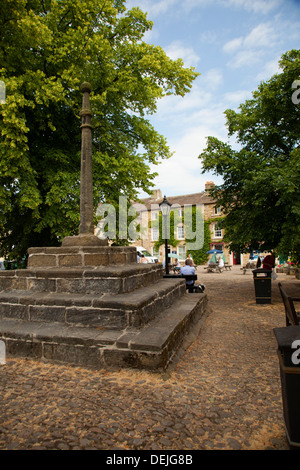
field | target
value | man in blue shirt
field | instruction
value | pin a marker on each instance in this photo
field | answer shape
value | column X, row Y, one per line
column 188, row 269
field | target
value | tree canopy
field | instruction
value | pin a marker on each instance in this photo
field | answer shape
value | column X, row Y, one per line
column 260, row 190
column 47, row 49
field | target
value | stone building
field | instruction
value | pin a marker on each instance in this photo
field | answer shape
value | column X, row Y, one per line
column 149, row 210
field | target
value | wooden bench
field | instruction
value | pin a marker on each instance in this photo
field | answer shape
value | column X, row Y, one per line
column 213, row 268
column 246, row 268
column 227, row 266
column 291, row 316
column 195, row 287
column 187, row 277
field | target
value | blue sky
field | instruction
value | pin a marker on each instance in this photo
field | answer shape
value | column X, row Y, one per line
column 234, row 45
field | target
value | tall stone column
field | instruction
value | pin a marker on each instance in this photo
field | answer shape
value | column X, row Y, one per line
column 86, row 235
column 86, row 178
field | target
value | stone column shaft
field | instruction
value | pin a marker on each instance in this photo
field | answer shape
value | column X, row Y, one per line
column 86, row 178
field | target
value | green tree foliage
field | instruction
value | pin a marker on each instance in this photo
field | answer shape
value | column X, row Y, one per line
column 260, row 191
column 200, row 256
column 47, row 49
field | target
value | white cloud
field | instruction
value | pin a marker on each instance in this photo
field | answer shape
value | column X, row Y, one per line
column 249, row 50
column 200, row 97
column 270, row 69
column 246, row 58
column 182, row 173
column 177, row 50
column 161, row 7
column 263, row 35
column 233, row 45
column 237, row 97
column 256, row 6
column 157, row 7
column 212, row 79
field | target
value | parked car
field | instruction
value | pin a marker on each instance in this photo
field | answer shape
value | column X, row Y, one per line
column 143, row 253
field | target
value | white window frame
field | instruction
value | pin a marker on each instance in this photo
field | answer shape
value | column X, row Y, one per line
column 181, row 251
column 217, row 231
column 155, row 252
column 155, row 234
column 180, row 232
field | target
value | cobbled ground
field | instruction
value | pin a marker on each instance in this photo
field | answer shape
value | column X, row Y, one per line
column 222, row 391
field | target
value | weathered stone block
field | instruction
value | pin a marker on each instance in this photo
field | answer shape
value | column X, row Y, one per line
column 95, row 259
column 117, row 258
column 42, row 261
column 21, row 348
column 19, row 283
column 73, row 354
column 114, row 319
column 70, row 260
column 46, row 313
column 5, row 310
column 70, row 285
column 36, row 284
column 14, row 311
column 103, row 285
column 6, row 282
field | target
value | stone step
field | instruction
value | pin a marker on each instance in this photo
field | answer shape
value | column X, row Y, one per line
column 132, row 309
column 83, row 280
column 151, row 347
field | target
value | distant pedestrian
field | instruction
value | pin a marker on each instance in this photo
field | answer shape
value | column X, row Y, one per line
column 269, row 262
column 191, row 258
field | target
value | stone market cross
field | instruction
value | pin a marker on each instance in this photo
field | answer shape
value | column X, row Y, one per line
column 86, row 235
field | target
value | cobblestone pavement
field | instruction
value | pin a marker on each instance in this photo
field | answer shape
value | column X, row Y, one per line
column 222, row 392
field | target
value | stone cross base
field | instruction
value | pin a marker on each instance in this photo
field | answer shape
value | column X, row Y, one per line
column 80, row 256
column 95, row 306
column 84, row 240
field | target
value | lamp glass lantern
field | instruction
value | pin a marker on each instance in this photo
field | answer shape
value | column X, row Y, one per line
column 165, row 207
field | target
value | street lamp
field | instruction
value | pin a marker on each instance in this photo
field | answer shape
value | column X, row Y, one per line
column 165, row 208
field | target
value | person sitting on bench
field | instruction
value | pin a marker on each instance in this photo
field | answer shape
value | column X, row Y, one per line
column 188, row 269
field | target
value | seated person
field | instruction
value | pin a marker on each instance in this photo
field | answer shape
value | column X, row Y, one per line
column 188, row 269
column 176, row 266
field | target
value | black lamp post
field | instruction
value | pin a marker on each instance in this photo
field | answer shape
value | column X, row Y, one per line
column 165, row 208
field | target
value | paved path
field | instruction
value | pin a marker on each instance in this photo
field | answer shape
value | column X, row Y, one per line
column 223, row 392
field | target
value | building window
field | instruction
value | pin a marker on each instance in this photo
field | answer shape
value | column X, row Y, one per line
column 180, row 212
column 181, row 250
column 155, row 234
column 180, row 232
column 155, row 252
column 217, row 210
column 154, row 215
column 217, row 231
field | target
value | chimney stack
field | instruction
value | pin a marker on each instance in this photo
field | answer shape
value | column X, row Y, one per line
column 208, row 185
column 156, row 194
